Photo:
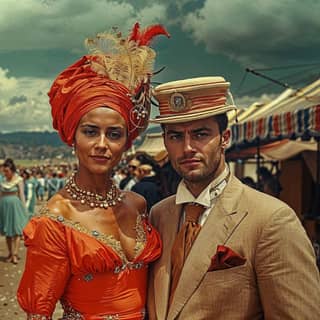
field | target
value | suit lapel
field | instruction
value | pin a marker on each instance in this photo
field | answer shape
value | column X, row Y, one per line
column 221, row 223
column 162, row 268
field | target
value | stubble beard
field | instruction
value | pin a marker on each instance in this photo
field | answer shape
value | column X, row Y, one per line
column 204, row 174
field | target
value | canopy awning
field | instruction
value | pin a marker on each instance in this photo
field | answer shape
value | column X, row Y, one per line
column 303, row 123
column 274, row 151
column 152, row 144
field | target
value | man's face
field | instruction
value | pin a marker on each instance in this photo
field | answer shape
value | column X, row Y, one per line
column 133, row 167
column 195, row 149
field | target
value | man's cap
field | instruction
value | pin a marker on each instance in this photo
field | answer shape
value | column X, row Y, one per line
column 134, row 162
column 146, row 167
column 161, row 155
column 192, row 99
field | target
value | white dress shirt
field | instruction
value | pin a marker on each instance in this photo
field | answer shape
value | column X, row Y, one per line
column 206, row 198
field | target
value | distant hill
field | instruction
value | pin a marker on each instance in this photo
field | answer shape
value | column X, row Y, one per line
column 32, row 145
column 41, row 145
column 28, row 138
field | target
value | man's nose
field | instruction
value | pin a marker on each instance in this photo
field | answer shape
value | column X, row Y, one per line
column 188, row 145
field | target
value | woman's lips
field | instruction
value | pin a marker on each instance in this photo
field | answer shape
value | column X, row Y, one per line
column 100, row 158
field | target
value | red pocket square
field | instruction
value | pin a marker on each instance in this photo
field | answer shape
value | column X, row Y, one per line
column 225, row 258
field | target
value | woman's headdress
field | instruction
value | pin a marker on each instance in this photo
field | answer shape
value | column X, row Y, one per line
column 116, row 74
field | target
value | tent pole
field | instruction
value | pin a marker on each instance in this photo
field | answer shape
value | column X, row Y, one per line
column 316, row 203
column 259, row 186
column 318, row 160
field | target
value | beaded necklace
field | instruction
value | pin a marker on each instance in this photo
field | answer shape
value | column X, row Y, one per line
column 94, row 200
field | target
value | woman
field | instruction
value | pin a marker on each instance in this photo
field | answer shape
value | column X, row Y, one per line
column 30, row 187
column 41, row 186
column 91, row 245
column 12, row 209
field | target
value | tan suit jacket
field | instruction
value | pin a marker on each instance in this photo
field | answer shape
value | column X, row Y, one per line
column 279, row 279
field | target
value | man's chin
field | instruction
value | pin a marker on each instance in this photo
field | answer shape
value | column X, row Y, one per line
column 192, row 176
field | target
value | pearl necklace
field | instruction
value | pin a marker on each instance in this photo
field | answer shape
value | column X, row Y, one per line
column 94, row 200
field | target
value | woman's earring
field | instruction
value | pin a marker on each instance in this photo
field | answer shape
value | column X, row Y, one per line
column 73, row 152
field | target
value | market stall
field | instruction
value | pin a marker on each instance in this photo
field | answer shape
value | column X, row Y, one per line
column 284, row 129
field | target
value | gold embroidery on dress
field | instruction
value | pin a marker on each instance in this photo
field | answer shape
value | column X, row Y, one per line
column 141, row 236
column 109, row 240
column 72, row 314
column 32, row 316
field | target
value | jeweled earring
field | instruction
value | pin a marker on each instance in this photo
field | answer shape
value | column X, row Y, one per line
column 73, row 152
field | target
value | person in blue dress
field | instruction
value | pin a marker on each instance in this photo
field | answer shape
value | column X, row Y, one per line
column 13, row 215
column 53, row 184
column 30, row 186
column 41, row 186
column 1, row 172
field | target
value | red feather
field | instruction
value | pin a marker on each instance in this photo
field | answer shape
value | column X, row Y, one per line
column 135, row 33
column 148, row 33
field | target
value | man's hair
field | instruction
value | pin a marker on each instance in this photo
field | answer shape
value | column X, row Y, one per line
column 222, row 120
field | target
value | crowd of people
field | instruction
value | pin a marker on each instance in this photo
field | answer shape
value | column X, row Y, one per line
column 267, row 181
column 20, row 190
column 191, row 242
column 151, row 176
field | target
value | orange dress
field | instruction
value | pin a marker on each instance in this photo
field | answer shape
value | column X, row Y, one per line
column 86, row 270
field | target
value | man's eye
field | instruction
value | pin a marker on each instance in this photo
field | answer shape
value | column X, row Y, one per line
column 201, row 134
column 174, row 136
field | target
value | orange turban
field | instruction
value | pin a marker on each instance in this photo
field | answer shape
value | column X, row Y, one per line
column 82, row 87
column 77, row 90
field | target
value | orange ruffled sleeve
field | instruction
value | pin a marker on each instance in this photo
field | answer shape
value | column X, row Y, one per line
column 47, row 267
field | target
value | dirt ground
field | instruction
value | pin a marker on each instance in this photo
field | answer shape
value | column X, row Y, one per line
column 10, row 275
column 9, row 279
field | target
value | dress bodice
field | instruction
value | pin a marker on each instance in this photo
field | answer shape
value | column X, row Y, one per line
column 10, row 186
column 87, row 270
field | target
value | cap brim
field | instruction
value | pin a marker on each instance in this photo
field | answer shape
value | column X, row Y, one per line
column 186, row 117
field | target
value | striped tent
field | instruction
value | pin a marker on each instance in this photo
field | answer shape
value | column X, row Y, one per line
column 303, row 123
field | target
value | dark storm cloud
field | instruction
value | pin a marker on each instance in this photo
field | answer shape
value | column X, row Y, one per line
column 17, row 99
column 39, row 38
column 260, row 32
column 35, row 24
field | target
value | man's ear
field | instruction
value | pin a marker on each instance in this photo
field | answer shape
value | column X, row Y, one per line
column 226, row 139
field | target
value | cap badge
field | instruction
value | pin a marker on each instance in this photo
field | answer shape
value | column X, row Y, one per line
column 178, row 102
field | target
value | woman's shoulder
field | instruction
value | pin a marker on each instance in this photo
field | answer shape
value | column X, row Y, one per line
column 135, row 200
column 59, row 205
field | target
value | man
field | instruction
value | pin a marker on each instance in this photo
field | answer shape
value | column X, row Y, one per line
column 161, row 158
column 244, row 254
column 128, row 182
column 169, row 177
column 147, row 185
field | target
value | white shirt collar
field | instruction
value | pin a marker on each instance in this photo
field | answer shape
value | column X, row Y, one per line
column 207, row 195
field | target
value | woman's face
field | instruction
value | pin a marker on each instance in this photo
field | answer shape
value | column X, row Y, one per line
column 100, row 140
column 8, row 173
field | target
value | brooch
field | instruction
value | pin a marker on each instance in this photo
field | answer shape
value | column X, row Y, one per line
column 178, row 102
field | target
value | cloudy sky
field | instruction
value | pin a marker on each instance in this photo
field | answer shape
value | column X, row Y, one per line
column 39, row 38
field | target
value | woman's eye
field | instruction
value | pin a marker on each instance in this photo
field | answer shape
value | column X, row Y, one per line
column 89, row 132
column 114, row 135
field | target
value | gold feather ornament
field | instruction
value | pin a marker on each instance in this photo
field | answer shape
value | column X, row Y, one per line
column 129, row 61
